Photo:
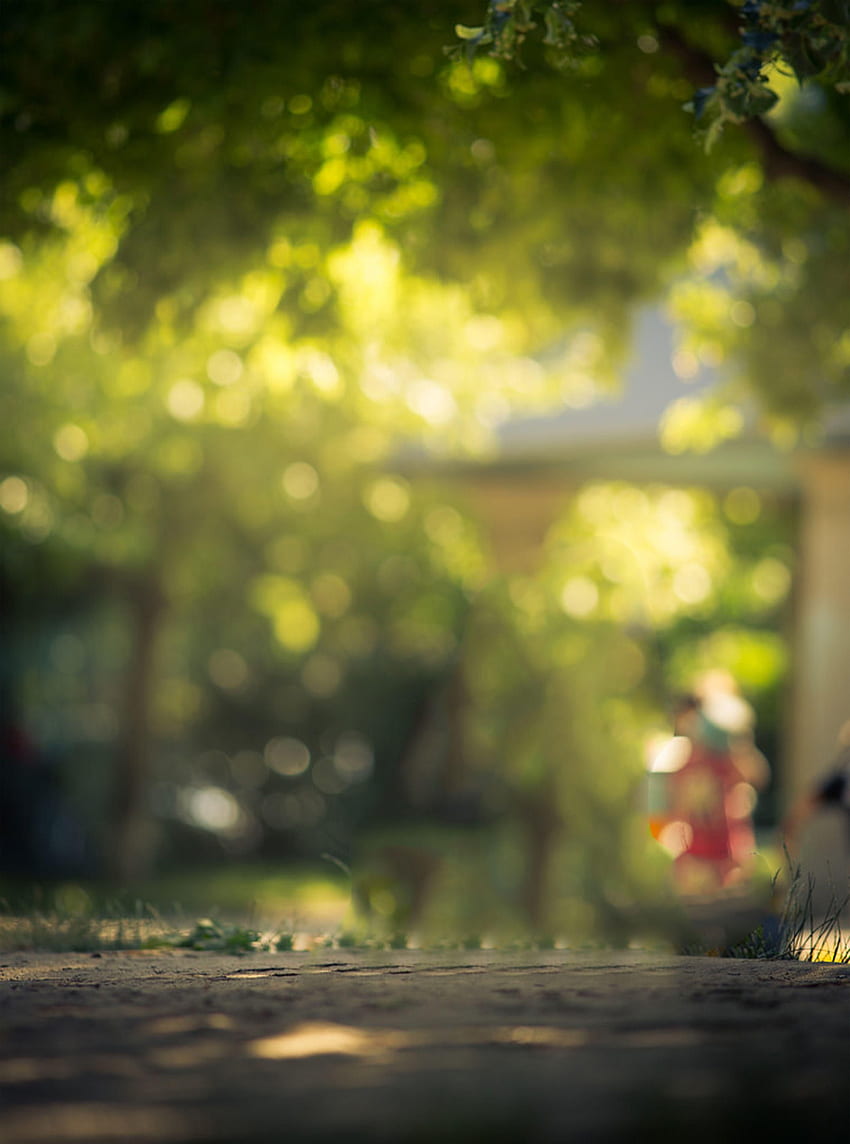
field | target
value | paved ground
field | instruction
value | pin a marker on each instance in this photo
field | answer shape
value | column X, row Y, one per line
column 411, row 1047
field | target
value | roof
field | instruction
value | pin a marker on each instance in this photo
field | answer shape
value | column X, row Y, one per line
column 618, row 436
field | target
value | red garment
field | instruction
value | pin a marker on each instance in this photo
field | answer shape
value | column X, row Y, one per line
column 699, row 795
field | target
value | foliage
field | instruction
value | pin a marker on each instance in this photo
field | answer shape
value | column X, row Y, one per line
column 69, row 921
column 213, row 936
column 779, row 72
column 800, row 932
column 810, row 39
column 256, row 264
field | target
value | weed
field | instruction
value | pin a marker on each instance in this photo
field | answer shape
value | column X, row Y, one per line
column 71, row 924
column 799, row 933
column 809, row 936
column 219, row 937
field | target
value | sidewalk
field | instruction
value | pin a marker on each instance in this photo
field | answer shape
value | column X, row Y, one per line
column 406, row 1046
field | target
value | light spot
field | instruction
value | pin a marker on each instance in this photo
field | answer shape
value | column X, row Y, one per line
column 353, row 757
column 676, row 837
column 300, row 480
column 279, row 254
column 171, row 119
column 579, row 596
column 771, row 580
column 444, row 525
column 331, row 594
column 324, row 1039
column 11, row 260
column 388, row 499
column 185, row 400
column 236, row 315
column 482, row 150
column 483, row 333
column 321, row 675
column 213, row 808
column 296, row 625
column 742, row 505
column 685, row 364
column 692, row 583
column 742, row 313
column 70, row 442
column 287, row 756
column 14, row 495
column 232, row 408
column 228, row 669
column 431, row 401
column 672, row 756
column 320, row 369
column 224, row 367
column 741, row 800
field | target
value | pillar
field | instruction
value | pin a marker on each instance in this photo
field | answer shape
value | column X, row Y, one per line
column 821, row 651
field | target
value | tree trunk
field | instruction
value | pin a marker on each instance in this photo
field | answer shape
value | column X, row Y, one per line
column 130, row 842
column 541, row 826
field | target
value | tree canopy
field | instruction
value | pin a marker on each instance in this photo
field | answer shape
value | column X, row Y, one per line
column 558, row 199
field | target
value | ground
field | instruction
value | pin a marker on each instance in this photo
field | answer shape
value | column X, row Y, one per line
column 180, row 1046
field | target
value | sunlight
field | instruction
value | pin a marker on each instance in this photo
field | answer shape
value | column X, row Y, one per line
column 213, row 808
column 300, row 480
column 287, row 756
column 71, row 442
column 320, row 1038
column 388, row 499
column 224, row 367
column 431, row 401
column 579, row 596
column 185, row 400
column 14, row 495
column 670, row 756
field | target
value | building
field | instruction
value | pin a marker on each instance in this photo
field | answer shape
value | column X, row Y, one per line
column 540, row 461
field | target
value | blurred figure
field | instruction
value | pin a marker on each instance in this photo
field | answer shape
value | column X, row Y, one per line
column 831, row 790
column 18, row 793
column 39, row 835
column 712, row 779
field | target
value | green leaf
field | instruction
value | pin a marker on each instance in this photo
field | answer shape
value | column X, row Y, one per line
column 761, row 99
column 465, row 33
column 803, row 63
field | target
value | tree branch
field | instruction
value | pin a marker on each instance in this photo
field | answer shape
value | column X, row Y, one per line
column 779, row 163
column 777, row 160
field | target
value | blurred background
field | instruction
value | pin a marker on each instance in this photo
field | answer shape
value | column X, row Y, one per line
column 389, row 438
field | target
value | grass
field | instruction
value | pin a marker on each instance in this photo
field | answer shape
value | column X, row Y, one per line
column 800, row 932
column 60, row 931
column 239, row 910
column 57, row 932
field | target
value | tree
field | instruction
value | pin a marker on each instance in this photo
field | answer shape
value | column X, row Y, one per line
column 779, row 72
column 250, row 248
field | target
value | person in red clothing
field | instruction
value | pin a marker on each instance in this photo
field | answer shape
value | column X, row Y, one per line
column 712, row 793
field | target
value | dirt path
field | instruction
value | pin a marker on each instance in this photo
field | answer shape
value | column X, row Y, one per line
column 168, row 1047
